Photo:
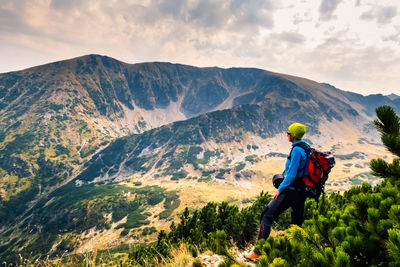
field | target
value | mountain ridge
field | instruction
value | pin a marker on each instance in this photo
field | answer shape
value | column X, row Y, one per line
column 150, row 118
column 65, row 110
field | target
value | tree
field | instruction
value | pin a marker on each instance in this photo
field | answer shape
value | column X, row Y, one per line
column 388, row 124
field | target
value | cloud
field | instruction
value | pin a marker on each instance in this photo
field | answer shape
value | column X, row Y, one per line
column 301, row 18
column 254, row 12
column 170, row 30
column 208, row 14
column 64, row 5
column 395, row 37
column 9, row 22
column 327, row 8
column 345, row 60
column 12, row 17
column 383, row 15
column 289, row 37
column 301, row 37
column 173, row 8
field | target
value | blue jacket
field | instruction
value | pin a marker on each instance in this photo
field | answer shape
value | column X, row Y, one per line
column 296, row 162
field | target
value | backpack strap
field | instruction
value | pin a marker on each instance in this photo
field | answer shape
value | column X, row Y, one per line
column 303, row 146
column 297, row 183
column 307, row 149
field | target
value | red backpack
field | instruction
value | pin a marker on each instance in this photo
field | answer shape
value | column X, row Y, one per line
column 318, row 168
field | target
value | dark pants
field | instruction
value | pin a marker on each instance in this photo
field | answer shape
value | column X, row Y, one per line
column 287, row 199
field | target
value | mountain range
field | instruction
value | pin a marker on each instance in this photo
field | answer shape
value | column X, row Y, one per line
column 92, row 144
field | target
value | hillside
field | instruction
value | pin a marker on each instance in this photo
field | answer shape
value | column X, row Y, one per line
column 93, row 147
column 54, row 117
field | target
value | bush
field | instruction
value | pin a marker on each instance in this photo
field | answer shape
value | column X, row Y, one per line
column 124, row 232
column 149, row 230
column 197, row 263
column 240, row 166
column 252, row 159
column 179, row 175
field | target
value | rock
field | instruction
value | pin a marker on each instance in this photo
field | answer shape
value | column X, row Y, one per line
column 211, row 260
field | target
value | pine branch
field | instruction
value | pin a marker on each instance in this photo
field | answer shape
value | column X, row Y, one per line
column 392, row 143
column 383, row 169
column 388, row 122
column 393, row 244
column 379, row 168
column 394, row 169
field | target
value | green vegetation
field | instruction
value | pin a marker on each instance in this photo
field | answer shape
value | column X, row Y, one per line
column 192, row 156
column 275, row 154
column 77, row 209
column 194, row 151
column 354, row 155
column 149, row 230
column 21, row 143
column 56, row 107
column 240, row 166
column 179, row 175
column 204, row 179
column 254, row 147
column 252, row 159
column 172, row 202
column 124, row 232
column 221, row 173
column 60, row 149
column 364, row 177
column 357, row 228
column 83, row 127
column 135, row 219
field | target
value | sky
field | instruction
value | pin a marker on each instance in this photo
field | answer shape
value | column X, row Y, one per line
column 351, row 44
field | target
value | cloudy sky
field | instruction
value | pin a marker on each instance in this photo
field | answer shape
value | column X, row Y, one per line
column 351, row 44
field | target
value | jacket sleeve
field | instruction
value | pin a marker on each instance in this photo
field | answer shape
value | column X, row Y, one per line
column 291, row 170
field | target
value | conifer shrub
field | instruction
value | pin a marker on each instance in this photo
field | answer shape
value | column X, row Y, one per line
column 197, row 263
column 149, row 230
column 252, row 159
column 179, row 175
column 278, row 262
column 124, row 232
column 240, row 166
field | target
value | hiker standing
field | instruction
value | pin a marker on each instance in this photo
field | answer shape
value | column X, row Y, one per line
column 290, row 193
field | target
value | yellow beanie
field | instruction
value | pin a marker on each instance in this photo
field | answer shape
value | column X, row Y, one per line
column 297, row 130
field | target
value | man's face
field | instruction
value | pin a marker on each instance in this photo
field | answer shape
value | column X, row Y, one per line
column 290, row 137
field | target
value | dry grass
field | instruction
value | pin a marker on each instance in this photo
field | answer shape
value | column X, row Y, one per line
column 88, row 259
column 181, row 257
column 94, row 240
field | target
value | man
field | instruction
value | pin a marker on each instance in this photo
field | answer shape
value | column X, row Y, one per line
column 289, row 194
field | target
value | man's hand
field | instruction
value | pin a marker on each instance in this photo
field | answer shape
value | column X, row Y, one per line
column 276, row 194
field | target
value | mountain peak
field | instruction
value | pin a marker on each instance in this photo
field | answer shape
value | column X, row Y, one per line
column 393, row 96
